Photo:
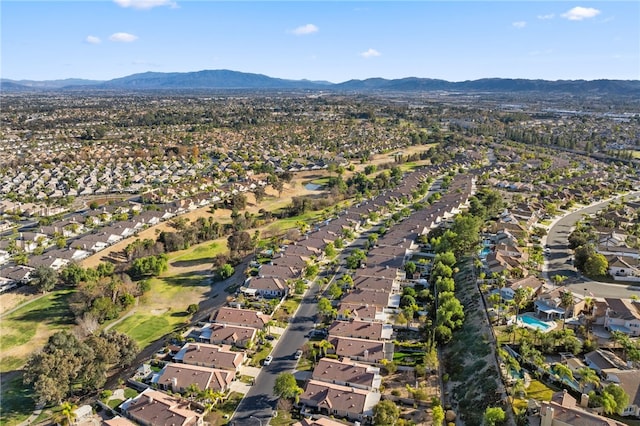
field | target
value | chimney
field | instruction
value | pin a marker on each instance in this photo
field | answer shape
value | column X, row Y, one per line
column 198, row 348
column 584, row 400
column 150, row 399
column 174, row 384
column 546, row 416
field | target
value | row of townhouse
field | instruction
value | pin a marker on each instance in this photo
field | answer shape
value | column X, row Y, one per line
column 362, row 333
column 341, row 387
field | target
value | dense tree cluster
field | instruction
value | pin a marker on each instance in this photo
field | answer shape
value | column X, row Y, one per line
column 67, row 366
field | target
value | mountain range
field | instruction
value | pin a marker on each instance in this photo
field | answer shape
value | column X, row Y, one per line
column 227, row 80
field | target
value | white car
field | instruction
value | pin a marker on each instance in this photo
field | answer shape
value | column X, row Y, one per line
column 298, row 354
column 268, row 360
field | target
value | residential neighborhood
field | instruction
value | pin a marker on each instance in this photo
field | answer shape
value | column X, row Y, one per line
column 413, row 271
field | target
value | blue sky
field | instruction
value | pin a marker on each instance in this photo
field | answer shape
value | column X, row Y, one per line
column 329, row 40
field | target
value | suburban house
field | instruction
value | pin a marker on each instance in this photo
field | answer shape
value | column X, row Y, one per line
column 602, row 361
column 155, row 408
column 549, row 305
column 623, row 266
column 563, row 410
column 282, row 272
column 267, row 287
column 322, row 421
column 118, row 421
column 347, row 312
column 361, row 330
column 629, row 380
column 371, row 351
column 177, row 377
column 211, row 356
column 225, row 334
column 340, row 401
column 533, row 285
column 243, row 317
column 347, row 373
column 380, row 299
column 623, row 315
column 377, row 283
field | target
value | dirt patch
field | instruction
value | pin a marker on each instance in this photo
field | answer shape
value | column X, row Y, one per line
column 15, row 298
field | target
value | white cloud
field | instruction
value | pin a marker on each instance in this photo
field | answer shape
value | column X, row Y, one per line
column 370, row 53
column 519, row 24
column 123, row 37
column 547, row 16
column 305, row 29
column 93, row 39
column 579, row 13
column 144, row 4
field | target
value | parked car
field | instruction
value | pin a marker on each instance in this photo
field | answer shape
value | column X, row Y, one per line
column 298, row 354
column 268, row 360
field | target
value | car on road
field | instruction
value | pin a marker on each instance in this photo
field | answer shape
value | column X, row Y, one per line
column 298, row 354
column 268, row 360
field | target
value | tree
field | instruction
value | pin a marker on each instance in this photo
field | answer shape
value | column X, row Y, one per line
column 65, row 414
column 613, row 399
column 587, row 376
column 558, row 279
column 287, row 387
column 410, row 268
column 192, row 309
column 596, row 265
column 563, row 372
column 494, row 416
column 225, row 271
column 324, row 346
column 566, row 302
column 438, row 415
column 44, row 278
column 386, row 413
column 330, row 250
column 325, row 308
column 334, row 291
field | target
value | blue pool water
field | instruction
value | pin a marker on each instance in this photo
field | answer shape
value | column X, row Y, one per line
column 534, row 322
column 484, row 252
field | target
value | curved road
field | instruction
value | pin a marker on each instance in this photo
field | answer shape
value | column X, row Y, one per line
column 558, row 260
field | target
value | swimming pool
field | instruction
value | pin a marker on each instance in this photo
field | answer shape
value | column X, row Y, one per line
column 534, row 322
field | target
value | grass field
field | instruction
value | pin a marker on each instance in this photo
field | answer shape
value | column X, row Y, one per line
column 32, row 325
column 17, row 404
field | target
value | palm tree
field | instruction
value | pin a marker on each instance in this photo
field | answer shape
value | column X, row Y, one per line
column 566, row 301
column 588, row 376
column 269, row 324
column 324, row 346
column 558, row 280
column 562, row 372
column 65, row 414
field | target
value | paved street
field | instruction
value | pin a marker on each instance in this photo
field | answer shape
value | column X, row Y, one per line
column 259, row 402
column 558, row 260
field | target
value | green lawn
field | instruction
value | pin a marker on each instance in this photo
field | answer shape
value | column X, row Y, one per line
column 216, row 416
column 201, row 252
column 256, row 359
column 282, row 419
column 287, row 308
column 539, row 391
column 17, row 404
column 146, row 328
column 304, row 364
column 20, row 327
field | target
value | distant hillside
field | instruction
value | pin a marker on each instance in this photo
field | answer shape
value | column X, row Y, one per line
column 226, row 80
column 618, row 87
column 208, row 79
column 49, row 84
